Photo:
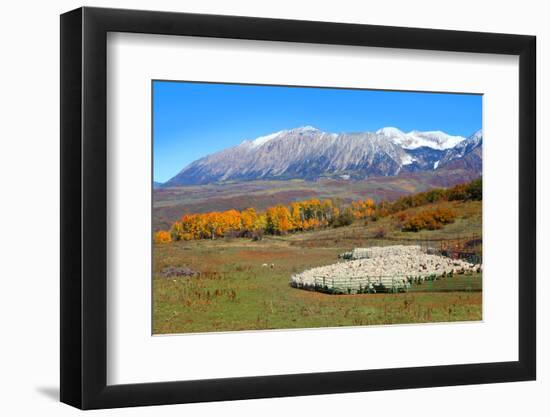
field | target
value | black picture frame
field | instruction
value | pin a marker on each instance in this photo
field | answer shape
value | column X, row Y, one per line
column 84, row 207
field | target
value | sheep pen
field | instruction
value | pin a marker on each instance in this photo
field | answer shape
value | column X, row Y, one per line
column 381, row 269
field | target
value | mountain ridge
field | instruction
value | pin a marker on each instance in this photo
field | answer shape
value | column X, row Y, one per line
column 309, row 153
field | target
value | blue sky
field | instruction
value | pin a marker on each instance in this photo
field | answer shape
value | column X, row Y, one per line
column 192, row 120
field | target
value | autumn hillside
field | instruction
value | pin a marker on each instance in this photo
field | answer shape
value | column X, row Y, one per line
column 170, row 203
column 315, row 214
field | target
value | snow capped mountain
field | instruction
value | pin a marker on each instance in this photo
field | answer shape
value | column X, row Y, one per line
column 415, row 139
column 309, row 153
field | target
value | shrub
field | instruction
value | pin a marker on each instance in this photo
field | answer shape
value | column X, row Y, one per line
column 257, row 235
column 380, row 233
column 458, row 193
column 344, row 219
column 401, row 216
column 475, row 189
column 162, row 236
column 429, row 219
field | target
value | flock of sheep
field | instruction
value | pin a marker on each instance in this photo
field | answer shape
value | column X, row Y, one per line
column 389, row 268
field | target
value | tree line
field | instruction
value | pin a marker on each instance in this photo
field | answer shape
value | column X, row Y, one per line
column 462, row 192
column 276, row 220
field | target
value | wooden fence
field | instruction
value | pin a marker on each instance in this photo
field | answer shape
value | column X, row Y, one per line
column 365, row 284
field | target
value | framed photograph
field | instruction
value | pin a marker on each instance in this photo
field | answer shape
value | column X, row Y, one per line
column 259, row 208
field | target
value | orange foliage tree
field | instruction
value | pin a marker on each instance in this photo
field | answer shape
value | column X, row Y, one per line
column 278, row 220
column 363, row 208
column 250, row 221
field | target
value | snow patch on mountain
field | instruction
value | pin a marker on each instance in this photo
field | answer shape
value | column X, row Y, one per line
column 262, row 140
column 476, row 137
column 307, row 129
column 416, row 139
column 406, row 159
column 391, row 132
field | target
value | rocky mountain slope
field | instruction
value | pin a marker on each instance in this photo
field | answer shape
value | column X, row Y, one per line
column 309, row 153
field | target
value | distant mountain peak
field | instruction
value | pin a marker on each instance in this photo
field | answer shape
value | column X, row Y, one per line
column 390, row 131
column 476, row 136
column 307, row 128
column 262, row 140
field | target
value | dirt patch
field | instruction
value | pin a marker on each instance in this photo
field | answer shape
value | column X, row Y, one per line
column 178, row 271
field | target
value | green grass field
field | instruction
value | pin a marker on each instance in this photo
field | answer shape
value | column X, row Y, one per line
column 235, row 291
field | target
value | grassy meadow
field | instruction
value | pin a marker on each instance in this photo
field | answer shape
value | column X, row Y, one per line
column 243, row 284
